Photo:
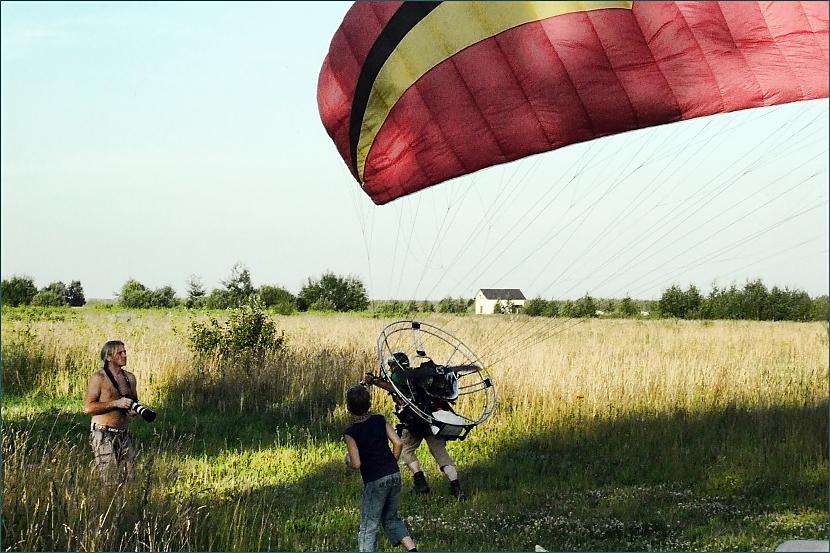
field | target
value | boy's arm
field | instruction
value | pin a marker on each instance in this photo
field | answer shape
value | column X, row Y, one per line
column 354, row 454
column 397, row 444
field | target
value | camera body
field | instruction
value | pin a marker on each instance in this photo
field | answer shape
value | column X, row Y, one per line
column 146, row 413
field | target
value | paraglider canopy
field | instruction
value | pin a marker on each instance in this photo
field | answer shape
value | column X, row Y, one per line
column 415, row 93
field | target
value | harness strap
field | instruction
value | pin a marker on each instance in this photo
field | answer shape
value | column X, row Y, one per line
column 115, row 384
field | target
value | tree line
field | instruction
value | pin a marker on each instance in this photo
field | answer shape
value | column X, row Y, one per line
column 331, row 292
column 21, row 290
column 754, row 301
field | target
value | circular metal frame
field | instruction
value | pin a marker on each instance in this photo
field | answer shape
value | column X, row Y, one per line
column 473, row 377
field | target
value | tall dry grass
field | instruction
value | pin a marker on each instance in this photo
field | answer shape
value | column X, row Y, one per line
column 598, row 369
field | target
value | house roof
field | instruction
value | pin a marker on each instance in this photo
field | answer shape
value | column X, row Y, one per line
column 503, row 294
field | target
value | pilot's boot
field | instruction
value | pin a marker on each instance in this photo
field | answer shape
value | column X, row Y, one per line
column 459, row 494
column 419, row 483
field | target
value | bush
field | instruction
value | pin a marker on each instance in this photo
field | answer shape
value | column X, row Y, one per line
column 391, row 308
column 248, row 330
column 279, row 299
column 134, row 294
column 164, row 297
column 18, row 290
column 217, row 299
column 450, row 305
column 137, row 296
column 581, row 308
column 820, row 309
column 48, row 298
column 627, row 307
column 535, row 307
column 58, row 289
column 333, row 293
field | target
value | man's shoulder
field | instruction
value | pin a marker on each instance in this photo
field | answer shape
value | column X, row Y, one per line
column 130, row 375
column 97, row 375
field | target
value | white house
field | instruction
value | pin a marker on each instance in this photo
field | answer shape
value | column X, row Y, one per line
column 487, row 298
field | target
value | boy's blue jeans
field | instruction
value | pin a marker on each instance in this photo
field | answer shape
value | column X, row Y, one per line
column 379, row 506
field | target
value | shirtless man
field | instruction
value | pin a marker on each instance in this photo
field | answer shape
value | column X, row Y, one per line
column 108, row 399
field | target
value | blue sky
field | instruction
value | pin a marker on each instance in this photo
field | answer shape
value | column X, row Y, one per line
column 156, row 141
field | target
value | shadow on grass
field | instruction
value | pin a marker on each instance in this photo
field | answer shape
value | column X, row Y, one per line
column 765, row 445
column 669, row 482
column 638, row 482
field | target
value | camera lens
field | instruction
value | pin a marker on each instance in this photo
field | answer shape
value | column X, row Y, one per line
column 146, row 413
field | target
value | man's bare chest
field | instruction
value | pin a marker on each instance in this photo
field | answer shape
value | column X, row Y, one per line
column 109, row 391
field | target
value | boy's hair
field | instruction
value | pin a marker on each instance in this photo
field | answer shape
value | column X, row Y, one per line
column 358, row 400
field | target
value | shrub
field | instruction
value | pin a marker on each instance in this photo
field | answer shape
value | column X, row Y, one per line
column 450, row 305
column 18, row 290
column 390, row 308
column 48, row 298
column 585, row 306
column 534, row 307
column 137, row 296
column 333, row 293
column 58, row 289
column 218, row 299
column 134, row 294
column 163, row 297
column 279, row 299
column 248, row 330
column 819, row 309
column 627, row 307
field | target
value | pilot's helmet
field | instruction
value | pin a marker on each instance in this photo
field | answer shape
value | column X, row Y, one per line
column 398, row 359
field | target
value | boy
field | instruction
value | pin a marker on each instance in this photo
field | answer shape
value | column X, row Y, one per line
column 367, row 441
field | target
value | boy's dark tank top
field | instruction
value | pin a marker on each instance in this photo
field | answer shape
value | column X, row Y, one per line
column 376, row 459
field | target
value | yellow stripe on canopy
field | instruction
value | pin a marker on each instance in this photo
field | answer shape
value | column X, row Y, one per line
column 447, row 30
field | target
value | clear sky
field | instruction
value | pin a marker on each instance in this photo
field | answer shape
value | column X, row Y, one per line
column 156, row 141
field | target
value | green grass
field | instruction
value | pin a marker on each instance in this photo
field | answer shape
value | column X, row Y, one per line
column 714, row 474
column 236, row 482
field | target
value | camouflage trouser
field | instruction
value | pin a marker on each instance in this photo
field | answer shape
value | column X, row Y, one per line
column 114, row 455
column 437, row 447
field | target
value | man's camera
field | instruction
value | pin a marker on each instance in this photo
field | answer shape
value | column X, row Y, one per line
column 146, row 413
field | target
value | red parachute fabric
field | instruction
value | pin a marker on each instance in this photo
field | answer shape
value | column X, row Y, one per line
column 551, row 82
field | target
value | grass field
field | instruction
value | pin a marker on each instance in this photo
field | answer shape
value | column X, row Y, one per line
column 612, row 435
